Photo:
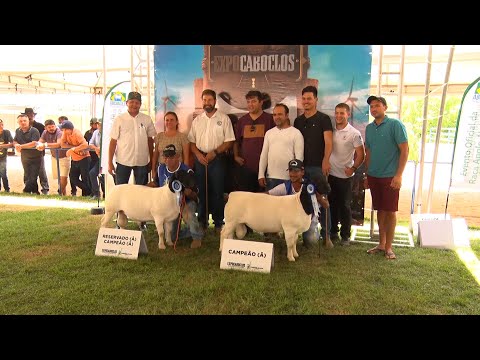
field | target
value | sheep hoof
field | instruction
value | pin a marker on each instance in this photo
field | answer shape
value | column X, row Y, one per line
column 170, row 243
column 162, row 247
column 291, row 259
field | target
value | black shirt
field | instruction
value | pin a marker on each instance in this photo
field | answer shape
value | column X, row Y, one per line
column 312, row 130
column 5, row 138
column 40, row 127
column 26, row 137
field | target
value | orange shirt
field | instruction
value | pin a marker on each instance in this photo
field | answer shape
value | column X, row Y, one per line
column 74, row 140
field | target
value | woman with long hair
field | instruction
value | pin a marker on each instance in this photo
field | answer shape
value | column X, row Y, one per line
column 170, row 135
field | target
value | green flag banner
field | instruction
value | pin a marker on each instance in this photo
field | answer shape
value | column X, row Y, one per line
column 466, row 155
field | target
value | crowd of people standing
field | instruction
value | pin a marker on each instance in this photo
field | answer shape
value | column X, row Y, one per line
column 269, row 155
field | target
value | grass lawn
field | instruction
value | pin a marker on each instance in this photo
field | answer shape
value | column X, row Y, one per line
column 48, row 266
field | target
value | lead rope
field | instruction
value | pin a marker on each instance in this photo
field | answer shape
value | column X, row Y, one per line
column 182, row 206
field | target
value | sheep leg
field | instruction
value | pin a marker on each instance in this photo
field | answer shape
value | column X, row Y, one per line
column 290, row 238
column 240, row 231
column 159, row 225
column 106, row 218
column 227, row 232
column 168, row 232
column 122, row 220
column 295, row 253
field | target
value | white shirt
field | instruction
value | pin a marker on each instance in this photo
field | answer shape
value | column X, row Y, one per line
column 132, row 135
column 344, row 143
column 209, row 133
column 279, row 147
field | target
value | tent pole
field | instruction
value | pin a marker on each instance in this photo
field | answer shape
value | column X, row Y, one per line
column 439, row 128
column 424, row 130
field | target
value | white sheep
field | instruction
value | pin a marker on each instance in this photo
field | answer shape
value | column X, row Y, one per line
column 143, row 203
column 290, row 214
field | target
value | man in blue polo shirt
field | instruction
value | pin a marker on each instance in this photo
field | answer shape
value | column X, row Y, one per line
column 386, row 146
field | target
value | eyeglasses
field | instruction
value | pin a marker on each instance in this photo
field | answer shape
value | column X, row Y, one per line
column 252, row 128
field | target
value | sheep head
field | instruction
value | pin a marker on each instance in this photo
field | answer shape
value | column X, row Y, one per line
column 186, row 178
column 321, row 184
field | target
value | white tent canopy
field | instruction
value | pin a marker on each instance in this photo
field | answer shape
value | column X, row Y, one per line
column 73, row 68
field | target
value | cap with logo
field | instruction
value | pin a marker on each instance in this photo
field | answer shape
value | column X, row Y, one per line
column 94, row 120
column 169, row 150
column 295, row 164
column 378, row 98
column 134, row 96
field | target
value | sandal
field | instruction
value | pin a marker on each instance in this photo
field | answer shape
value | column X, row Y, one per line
column 389, row 255
column 375, row 250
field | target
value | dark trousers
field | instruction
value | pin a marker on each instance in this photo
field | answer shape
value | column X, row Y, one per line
column 340, row 199
column 122, row 174
column 216, row 177
column 31, row 168
column 316, row 171
column 80, row 168
column 247, row 179
column 94, row 179
column 3, row 174
column 43, row 176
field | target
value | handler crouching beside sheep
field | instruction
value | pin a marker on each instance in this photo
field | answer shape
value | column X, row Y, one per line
column 164, row 173
column 143, row 203
column 264, row 213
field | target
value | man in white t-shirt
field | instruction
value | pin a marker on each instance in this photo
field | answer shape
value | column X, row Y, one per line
column 347, row 143
column 281, row 144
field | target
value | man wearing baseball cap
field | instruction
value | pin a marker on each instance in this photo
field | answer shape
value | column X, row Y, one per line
column 386, row 146
column 131, row 142
column 296, row 172
column 165, row 171
column 78, row 150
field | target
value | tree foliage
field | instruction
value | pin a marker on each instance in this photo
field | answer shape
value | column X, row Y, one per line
column 412, row 117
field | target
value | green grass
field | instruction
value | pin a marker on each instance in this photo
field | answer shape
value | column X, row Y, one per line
column 48, row 266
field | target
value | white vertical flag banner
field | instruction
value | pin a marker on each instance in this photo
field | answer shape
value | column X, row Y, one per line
column 466, row 156
column 115, row 104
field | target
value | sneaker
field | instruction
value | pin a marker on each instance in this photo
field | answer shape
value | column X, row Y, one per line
column 143, row 226
column 345, row 242
column 94, row 197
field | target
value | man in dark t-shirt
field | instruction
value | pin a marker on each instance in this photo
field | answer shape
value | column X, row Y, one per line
column 25, row 140
column 317, row 130
column 40, row 127
column 6, row 141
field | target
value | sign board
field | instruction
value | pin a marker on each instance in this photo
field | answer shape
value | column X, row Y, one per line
column 443, row 234
column 415, row 218
column 125, row 244
column 247, row 256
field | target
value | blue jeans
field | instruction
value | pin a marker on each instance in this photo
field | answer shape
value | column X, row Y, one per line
column 216, row 181
column 3, row 174
column 122, row 174
column 193, row 228
column 309, row 235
